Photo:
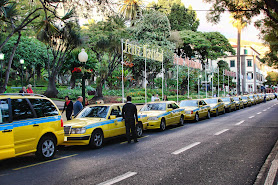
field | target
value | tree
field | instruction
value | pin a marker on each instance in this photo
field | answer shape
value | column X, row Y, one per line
column 245, row 9
column 272, row 78
column 61, row 36
column 166, row 5
column 152, row 29
column 104, row 39
column 131, row 9
column 182, row 18
column 31, row 50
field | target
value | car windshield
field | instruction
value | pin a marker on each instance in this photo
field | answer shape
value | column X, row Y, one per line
column 244, row 97
column 236, row 98
column 251, row 97
column 210, row 101
column 154, row 106
column 189, row 103
column 94, row 112
column 226, row 99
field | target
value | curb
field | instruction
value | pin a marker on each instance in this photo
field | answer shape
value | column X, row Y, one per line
column 266, row 176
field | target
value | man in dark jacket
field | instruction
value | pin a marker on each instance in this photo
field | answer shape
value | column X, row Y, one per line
column 130, row 116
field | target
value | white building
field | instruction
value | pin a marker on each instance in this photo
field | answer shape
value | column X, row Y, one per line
column 253, row 72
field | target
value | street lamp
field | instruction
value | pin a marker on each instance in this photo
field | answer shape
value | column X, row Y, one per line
column 200, row 76
column 21, row 61
column 2, row 56
column 83, row 57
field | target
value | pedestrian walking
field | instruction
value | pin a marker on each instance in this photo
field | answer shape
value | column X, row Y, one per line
column 29, row 89
column 23, row 90
column 129, row 114
column 156, row 98
column 77, row 107
column 68, row 106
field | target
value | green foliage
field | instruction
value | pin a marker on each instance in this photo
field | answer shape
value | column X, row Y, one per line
column 272, row 78
column 165, row 6
column 182, row 18
column 72, row 93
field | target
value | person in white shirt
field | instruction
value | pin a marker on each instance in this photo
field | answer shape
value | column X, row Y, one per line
column 153, row 98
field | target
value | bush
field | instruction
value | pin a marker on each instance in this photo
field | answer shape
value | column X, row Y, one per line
column 72, row 93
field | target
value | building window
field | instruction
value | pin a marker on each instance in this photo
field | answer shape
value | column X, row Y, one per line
column 249, row 76
column 250, row 88
column 249, row 63
column 245, row 51
column 232, row 63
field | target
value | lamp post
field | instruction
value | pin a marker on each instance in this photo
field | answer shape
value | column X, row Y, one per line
column 2, row 56
column 199, row 85
column 21, row 61
column 83, row 57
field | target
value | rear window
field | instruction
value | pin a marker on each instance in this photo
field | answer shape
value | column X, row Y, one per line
column 44, row 107
column 4, row 111
column 21, row 109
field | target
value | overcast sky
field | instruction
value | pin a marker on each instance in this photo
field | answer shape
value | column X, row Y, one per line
column 250, row 33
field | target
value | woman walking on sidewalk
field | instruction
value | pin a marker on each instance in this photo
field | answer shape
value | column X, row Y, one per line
column 68, row 107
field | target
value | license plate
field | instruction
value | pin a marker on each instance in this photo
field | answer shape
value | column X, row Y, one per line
column 65, row 139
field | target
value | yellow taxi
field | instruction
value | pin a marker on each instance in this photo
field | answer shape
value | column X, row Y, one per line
column 246, row 101
column 195, row 109
column 216, row 105
column 257, row 98
column 29, row 123
column 163, row 113
column 98, row 122
column 253, row 99
column 229, row 104
column 261, row 97
column 239, row 102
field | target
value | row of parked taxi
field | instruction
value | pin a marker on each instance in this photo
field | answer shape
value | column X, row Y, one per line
column 32, row 123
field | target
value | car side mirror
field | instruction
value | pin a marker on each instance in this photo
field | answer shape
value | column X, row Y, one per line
column 112, row 117
column 170, row 109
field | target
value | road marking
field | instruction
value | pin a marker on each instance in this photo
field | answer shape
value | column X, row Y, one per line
column 265, row 110
column 272, row 173
column 119, row 178
column 186, row 148
column 251, row 117
column 4, row 174
column 240, row 122
column 268, row 108
column 45, row 162
column 138, row 139
column 221, row 132
column 259, row 112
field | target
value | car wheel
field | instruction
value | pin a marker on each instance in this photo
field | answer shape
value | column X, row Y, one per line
column 208, row 116
column 139, row 130
column 96, row 140
column 196, row 117
column 181, row 123
column 224, row 110
column 216, row 113
column 230, row 109
column 46, row 148
column 162, row 125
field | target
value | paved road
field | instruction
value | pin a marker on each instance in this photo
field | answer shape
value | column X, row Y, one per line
column 229, row 149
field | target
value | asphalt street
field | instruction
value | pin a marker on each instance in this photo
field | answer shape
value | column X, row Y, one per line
column 228, row 149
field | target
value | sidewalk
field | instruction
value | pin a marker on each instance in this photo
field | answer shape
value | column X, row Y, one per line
column 268, row 174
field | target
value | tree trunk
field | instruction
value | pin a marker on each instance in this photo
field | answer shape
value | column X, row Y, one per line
column 51, row 91
column 238, row 61
column 99, row 90
column 3, row 88
column 72, row 82
column 38, row 72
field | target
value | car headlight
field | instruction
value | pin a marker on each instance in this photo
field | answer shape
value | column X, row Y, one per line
column 153, row 118
column 188, row 112
column 78, row 130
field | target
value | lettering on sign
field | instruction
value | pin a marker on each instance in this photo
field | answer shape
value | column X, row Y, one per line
column 133, row 49
column 187, row 62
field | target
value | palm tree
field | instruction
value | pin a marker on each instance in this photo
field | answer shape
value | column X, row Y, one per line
column 240, row 24
column 131, row 9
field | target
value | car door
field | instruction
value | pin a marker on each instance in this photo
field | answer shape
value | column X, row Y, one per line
column 221, row 105
column 176, row 113
column 118, row 125
column 170, row 118
column 26, row 129
column 6, row 131
column 205, row 108
column 201, row 109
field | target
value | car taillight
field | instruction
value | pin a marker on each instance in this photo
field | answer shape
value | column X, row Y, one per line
column 191, row 112
column 62, row 123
